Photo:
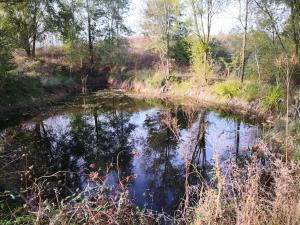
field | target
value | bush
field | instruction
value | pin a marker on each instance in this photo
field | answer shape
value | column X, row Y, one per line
column 251, row 92
column 157, row 80
column 33, row 65
column 228, row 89
column 143, row 75
column 57, row 81
column 272, row 99
column 20, row 88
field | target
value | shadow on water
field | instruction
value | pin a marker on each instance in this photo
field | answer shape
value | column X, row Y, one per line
column 97, row 130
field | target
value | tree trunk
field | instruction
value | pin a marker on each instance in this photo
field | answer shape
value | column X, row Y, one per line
column 242, row 72
column 28, row 48
column 28, row 52
column 90, row 39
column 296, row 33
column 33, row 45
column 34, row 29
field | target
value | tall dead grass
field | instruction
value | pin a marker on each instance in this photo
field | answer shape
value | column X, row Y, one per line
column 264, row 191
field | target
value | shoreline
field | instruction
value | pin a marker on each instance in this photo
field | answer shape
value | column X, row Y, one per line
column 193, row 96
column 199, row 98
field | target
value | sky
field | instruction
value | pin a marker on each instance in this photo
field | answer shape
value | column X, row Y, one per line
column 222, row 23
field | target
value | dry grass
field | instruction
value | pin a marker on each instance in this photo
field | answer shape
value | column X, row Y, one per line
column 265, row 191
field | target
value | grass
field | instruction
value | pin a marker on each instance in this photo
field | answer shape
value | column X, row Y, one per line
column 263, row 190
column 272, row 98
column 228, row 89
column 258, row 194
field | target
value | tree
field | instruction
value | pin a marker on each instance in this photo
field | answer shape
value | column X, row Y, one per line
column 203, row 14
column 24, row 21
column 5, row 53
column 110, row 30
column 293, row 25
column 105, row 21
column 245, row 30
column 286, row 25
column 112, row 22
column 161, row 17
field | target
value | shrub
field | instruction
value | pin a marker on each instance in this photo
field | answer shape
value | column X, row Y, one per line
column 20, row 88
column 228, row 89
column 272, row 99
column 251, row 92
column 33, row 65
column 143, row 75
column 157, row 80
column 57, row 81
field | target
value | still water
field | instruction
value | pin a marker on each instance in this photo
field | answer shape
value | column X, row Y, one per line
column 122, row 139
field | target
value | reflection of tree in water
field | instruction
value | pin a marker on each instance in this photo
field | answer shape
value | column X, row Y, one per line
column 71, row 150
column 199, row 153
column 198, row 163
column 164, row 174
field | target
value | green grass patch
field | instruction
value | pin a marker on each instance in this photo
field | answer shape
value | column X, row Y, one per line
column 271, row 100
column 228, row 89
column 251, row 91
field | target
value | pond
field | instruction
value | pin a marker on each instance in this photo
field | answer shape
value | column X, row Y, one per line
column 122, row 139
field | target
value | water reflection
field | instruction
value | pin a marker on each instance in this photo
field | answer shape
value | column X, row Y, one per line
column 131, row 137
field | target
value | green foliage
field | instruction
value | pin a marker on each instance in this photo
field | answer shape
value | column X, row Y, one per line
column 201, row 65
column 157, row 80
column 182, row 87
column 272, row 99
column 228, row 89
column 251, row 91
column 20, row 88
column 57, row 81
column 24, row 23
column 143, row 75
column 5, row 54
column 76, row 54
column 160, row 23
column 114, row 53
column 180, row 48
column 34, row 65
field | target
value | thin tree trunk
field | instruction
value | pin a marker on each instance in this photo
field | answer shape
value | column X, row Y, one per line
column 35, row 27
column 90, row 39
column 33, row 45
column 257, row 65
column 28, row 51
column 242, row 74
column 296, row 33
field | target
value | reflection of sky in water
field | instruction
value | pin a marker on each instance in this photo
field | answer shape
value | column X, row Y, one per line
column 159, row 171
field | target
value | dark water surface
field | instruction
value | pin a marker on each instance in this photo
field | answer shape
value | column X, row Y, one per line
column 97, row 131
